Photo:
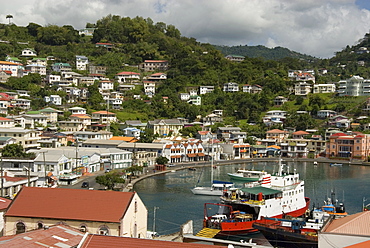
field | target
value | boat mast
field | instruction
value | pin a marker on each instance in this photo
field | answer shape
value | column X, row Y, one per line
column 211, row 161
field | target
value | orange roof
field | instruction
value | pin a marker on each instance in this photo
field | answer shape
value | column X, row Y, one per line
column 83, row 116
column 300, row 133
column 104, row 112
column 274, row 146
column 97, row 241
column 128, row 73
column 276, row 131
column 155, row 61
column 365, row 244
column 70, row 204
column 127, row 139
column 4, row 119
column 355, row 224
column 8, row 63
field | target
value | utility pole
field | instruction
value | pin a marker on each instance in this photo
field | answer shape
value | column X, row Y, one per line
column 43, row 155
column 155, row 208
column 76, row 156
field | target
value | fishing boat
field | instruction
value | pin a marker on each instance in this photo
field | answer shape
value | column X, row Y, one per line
column 247, row 175
column 217, row 188
column 299, row 232
column 274, row 196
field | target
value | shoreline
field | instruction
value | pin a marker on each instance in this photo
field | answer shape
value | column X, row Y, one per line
column 199, row 164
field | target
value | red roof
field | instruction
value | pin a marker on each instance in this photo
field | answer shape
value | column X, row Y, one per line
column 339, row 134
column 355, row 224
column 4, row 203
column 70, row 204
column 157, row 74
column 98, row 241
column 128, row 73
column 4, row 119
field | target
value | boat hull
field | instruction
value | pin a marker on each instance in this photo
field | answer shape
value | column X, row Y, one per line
column 244, row 179
column 280, row 237
column 206, row 191
column 233, row 228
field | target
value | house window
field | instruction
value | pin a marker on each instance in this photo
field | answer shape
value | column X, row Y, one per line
column 135, row 206
column 104, row 230
column 83, row 228
column 20, row 228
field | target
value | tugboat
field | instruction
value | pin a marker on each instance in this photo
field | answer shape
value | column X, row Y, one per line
column 299, row 232
column 273, row 196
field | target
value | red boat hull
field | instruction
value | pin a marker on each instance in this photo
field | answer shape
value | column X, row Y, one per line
column 228, row 228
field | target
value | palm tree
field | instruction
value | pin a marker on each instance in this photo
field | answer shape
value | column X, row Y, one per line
column 9, row 17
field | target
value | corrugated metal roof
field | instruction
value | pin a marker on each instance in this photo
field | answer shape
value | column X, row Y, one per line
column 98, row 241
column 356, row 224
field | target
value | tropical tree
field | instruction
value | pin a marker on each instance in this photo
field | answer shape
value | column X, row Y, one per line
column 15, row 151
column 9, row 17
column 110, row 179
column 161, row 160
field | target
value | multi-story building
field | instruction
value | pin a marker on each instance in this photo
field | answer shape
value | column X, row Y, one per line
column 149, row 88
column 103, row 117
column 302, row 89
column 165, row 126
column 350, row 146
column 28, row 138
column 127, row 77
column 231, row 87
column 355, row 86
column 36, row 68
column 206, row 89
column 323, row 88
column 155, row 65
column 81, row 62
column 10, row 67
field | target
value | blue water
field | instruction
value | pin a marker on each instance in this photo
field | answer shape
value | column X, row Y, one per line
column 176, row 204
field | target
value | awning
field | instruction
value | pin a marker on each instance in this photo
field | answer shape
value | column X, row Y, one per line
column 191, row 155
column 201, row 154
column 263, row 190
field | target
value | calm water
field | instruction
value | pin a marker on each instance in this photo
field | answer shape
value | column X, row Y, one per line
column 176, row 204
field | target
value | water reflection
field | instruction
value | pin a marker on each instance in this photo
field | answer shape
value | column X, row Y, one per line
column 171, row 192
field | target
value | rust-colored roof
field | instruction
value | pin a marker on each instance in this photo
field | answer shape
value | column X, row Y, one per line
column 104, row 112
column 14, row 179
column 4, row 203
column 81, row 116
column 365, row 244
column 339, row 134
column 128, row 73
column 276, row 131
column 70, row 204
column 356, row 224
column 4, row 119
column 54, row 236
column 127, row 139
column 300, row 133
column 98, row 241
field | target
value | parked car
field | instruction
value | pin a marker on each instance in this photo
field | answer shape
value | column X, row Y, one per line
column 85, row 185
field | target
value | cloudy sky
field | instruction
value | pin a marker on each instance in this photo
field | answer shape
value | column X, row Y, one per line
column 315, row 27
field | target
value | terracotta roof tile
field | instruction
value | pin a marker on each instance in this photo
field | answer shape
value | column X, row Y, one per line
column 70, row 204
column 300, row 133
column 98, row 241
column 276, row 131
column 4, row 203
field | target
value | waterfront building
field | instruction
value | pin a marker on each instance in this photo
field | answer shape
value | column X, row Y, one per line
column 348, row 146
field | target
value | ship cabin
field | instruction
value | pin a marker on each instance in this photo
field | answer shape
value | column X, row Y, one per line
column 256, row 195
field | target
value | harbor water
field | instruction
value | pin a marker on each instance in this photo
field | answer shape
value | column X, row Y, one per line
column 169, row 194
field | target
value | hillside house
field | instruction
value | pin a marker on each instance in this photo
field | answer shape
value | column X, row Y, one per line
column 206, row 89
column 231, row 87
column 127, row 77
column 81, row 62
column 155, row 65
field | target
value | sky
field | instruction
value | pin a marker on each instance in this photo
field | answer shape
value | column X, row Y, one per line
column 314, row 27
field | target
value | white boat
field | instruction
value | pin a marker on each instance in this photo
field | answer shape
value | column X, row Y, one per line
column 217, row 188
column 336, row 164
column 248, row 175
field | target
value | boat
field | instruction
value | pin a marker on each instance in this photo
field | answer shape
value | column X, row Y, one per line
column 274, row 196
column 336, row 164
column 247, row 175
column 299, row 232
column 217, row 188
column 192, row 169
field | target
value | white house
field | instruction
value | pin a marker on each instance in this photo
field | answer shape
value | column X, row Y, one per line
column 23, row 103
column 184, row 96
column 61, row 67
column 81, row 62
column 323, row 88
column 302, row 89
column 53, row 99
column 106, row 85
column 28, row 52
column 36, row 68
column 149, row 88
column 127, row 76
column 206, row 89
column 77, row 110
column 10, row 66
column 323, row 114
column 231, row 87
column 355, row 86
column 195, row 100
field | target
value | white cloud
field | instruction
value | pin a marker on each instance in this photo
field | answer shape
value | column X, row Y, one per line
column 315, row 27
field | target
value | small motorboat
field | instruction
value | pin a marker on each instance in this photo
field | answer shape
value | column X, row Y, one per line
column 336, row 164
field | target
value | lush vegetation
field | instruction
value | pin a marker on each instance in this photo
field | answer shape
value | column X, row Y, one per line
column 191, row 64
